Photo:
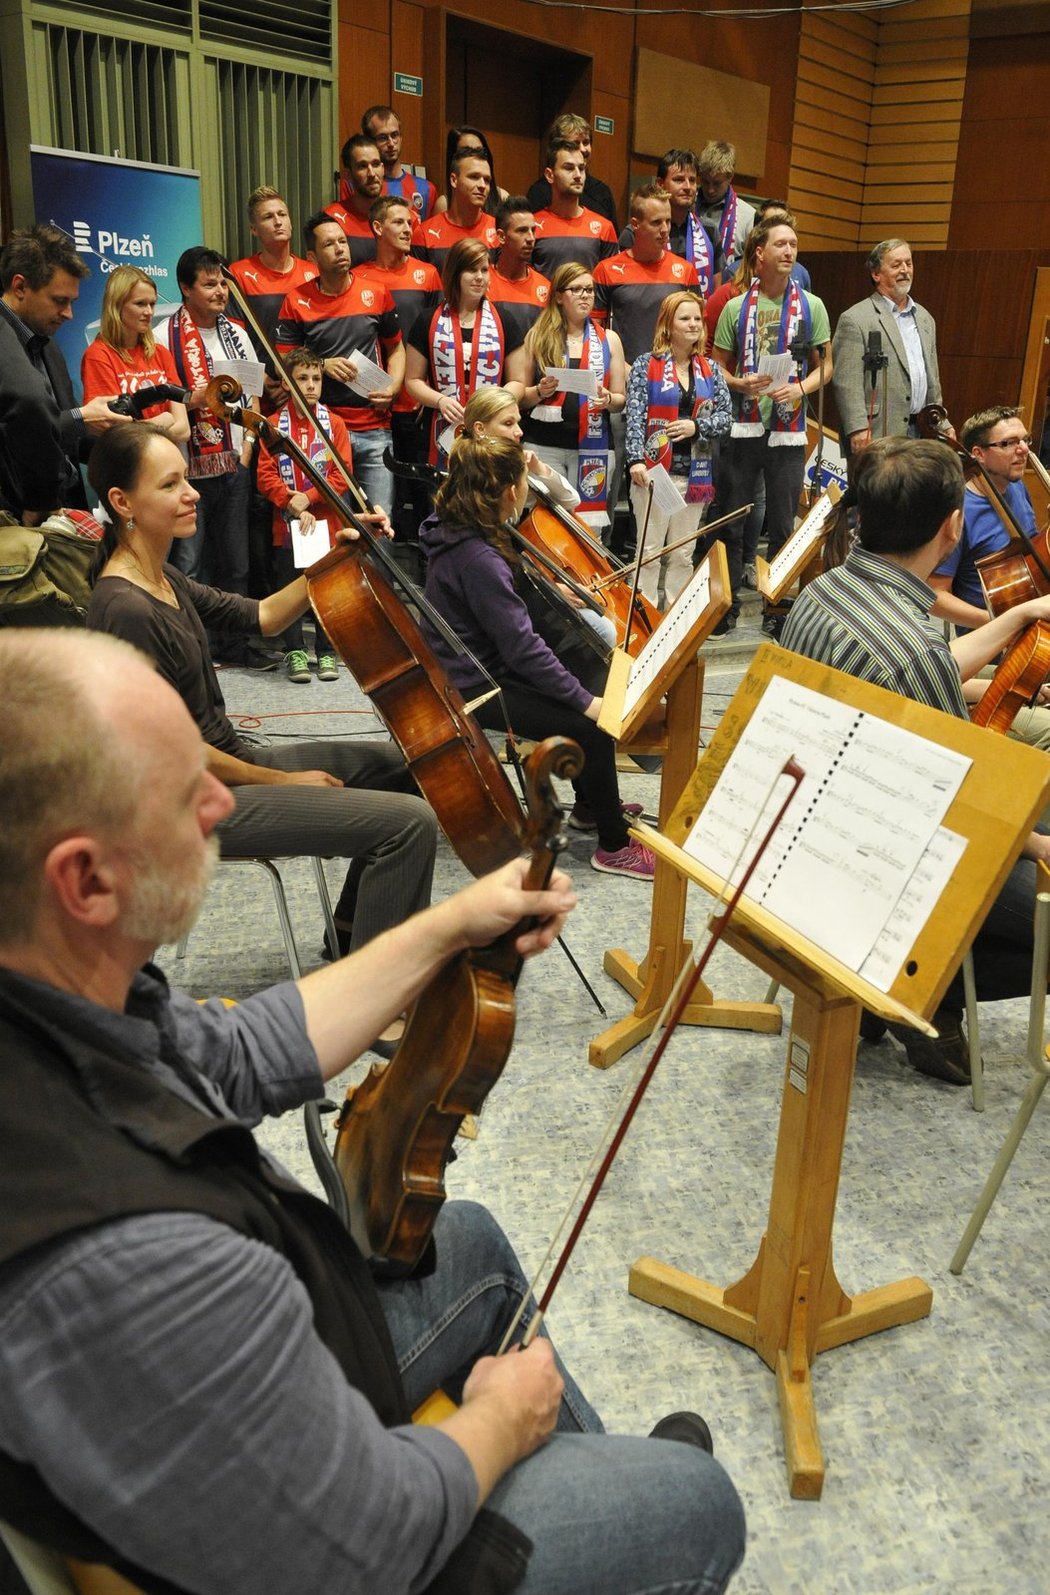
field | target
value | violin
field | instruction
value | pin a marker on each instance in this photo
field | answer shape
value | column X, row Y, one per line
column 395, row 1130
column 353, row 590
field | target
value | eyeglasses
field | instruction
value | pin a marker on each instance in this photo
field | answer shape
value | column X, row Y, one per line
column 584, row 293
column 1011, row 443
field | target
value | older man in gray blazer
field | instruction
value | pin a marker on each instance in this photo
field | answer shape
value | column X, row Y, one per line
column 906, row 336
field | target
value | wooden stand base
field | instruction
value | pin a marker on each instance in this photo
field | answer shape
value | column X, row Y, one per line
column 789, row 1305
column 651, row 979
column 648, row 982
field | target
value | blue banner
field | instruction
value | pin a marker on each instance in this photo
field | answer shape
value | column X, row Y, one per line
column 118, row 213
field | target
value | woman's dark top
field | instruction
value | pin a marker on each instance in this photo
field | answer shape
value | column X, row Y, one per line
column 176, row 642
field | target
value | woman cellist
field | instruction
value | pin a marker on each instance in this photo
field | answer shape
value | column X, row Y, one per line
column 471, row 571
column 343, row 797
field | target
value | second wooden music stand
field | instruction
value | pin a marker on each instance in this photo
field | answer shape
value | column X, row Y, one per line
column 679, row 675
column 789, row 1305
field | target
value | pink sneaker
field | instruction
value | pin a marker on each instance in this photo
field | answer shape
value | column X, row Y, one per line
column 634, row 859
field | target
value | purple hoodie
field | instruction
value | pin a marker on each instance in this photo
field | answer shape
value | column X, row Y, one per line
column 472, row 586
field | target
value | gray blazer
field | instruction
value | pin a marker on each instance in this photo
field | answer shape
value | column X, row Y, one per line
column 852, row 383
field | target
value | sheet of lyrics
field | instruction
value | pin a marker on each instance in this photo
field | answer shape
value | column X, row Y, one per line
column 690, row 603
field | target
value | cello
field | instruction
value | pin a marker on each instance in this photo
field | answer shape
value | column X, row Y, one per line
column 1013, row 575
column 353, row 592
column 395, row 1130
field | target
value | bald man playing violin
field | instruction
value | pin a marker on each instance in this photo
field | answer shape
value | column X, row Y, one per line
column 870, row 617
column 201, row 1382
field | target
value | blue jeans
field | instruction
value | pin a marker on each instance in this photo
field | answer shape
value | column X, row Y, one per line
column 367, row 449
column 781, row 468
column 607, row 1515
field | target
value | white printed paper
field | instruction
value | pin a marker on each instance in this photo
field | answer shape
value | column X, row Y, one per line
column 370, row 378
column 780, row 368
column 857, row 829
column 572, row 379
column 675, row 624
column 309, row 547
column 447, row 437
column 249, row 374
column 666, row 496
column 914, row 907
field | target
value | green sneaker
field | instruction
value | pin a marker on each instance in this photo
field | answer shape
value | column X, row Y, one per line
column 297, row 666
column 327, row 667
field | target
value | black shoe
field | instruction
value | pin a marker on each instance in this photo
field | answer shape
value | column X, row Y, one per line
column 385, row 1049
column 687, row 1427
column 872, row 1027
column 771, row 626
column 944, row 1057
column 725, row 625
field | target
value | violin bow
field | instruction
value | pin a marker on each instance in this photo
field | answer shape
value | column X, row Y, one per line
column 674, row 1008
column 301, row 403
column 703, row 530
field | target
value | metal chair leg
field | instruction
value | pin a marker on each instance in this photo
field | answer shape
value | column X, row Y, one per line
column 282, row 913
column 973, row 1033
column 326, row 903
column 1040, row 1066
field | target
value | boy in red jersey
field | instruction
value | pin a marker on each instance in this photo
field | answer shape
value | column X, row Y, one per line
column 294, row 497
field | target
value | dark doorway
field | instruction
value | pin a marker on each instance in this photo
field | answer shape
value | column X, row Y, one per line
column 512, row 87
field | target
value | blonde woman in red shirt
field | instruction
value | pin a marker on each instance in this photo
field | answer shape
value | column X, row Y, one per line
column 125, row 357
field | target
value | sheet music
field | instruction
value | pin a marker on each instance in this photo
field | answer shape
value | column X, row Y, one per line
column 691, row 602
column 666, row 496
column 572, row 379
column 859, row 825
column 370, row 378
column 803, row 540
column 935, row 869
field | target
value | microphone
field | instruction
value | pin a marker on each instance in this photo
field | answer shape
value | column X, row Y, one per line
column 874, row 359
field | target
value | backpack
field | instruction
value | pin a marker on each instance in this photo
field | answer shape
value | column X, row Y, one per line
column 45, row 571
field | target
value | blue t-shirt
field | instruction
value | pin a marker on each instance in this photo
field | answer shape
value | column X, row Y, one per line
column 983, row 533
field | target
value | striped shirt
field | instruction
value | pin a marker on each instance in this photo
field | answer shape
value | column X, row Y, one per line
column 871, row 619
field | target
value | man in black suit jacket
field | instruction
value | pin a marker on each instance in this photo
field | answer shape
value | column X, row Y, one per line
column 41, row 430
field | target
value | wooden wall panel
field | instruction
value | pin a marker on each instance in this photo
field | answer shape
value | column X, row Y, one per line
column 1002, row 184
column 676, row 102
column 981, row 301
column 407, row 54
column 920, row 80
column 836, row 75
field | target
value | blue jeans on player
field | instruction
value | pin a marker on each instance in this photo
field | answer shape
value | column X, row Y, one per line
column 607, row 1514
column 367, row 448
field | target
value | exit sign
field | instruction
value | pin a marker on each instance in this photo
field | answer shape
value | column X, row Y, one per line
column 604, row 124
column 405, row 83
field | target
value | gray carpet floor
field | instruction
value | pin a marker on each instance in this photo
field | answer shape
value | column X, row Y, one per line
column 935, row 1434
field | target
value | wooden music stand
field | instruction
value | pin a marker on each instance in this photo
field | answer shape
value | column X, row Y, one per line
column 680, row 676
column 789, row 1305
column 799, row 559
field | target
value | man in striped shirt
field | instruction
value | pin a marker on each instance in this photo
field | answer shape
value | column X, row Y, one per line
column 870, row 617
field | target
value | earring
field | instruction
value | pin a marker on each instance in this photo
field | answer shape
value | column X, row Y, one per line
column 129, row 526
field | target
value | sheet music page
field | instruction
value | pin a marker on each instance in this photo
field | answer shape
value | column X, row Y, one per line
column 872, row 799
column 914, row 907
column 690, row 603
column 249, row 373
column 804, row 539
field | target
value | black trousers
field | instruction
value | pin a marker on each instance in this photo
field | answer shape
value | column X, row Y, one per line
column 534, row 716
